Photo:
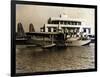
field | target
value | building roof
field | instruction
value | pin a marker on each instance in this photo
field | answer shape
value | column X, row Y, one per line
column 66, row 19
column 56, row 25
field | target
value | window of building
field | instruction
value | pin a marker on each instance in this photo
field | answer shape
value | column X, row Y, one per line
column 75, row 23
column 65, row 22
column 52, row 22
column 84, row 30
column 55, row 22
column 89, row 30
column 61, row 22
column 79, row 23
column 71, row 22
column 68, row 22
column 54, row 29
column 49, row 29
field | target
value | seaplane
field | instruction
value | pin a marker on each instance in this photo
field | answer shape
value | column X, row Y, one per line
column 32, row 38
column 47, row 39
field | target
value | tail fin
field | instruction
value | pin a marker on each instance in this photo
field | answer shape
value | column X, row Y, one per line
column 31, row 28
column 20, row 30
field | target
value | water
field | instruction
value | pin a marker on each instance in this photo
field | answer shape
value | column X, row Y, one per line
column 36, row 59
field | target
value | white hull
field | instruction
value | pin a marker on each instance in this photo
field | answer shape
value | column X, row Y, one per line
column 77, row 42
column 48, row 46
column 73, row 38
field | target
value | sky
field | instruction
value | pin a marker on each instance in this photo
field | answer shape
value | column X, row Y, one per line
column 38, row 15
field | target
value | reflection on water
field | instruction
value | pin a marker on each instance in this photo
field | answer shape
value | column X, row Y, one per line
column 36, row 59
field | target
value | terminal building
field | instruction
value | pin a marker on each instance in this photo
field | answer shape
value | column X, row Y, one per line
column 66, row 25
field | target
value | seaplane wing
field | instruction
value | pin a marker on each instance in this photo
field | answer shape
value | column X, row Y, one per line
column 33, row 38
column 48, row 39
column 40, row 39
column 41, row 33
